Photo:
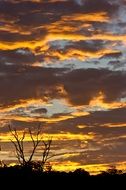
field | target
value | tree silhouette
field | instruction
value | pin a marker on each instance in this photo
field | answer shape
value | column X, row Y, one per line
column 81, row 172
column 112, row 170
column 18, row 143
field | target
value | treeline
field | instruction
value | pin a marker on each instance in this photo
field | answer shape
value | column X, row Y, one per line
column 29, row 170
column 20, row 177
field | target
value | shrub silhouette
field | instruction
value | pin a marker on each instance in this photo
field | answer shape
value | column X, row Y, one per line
column 81, row 172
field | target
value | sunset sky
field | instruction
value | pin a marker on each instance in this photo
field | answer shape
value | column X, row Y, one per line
column 63, row 64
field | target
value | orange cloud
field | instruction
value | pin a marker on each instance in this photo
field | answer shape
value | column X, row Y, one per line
column 48, row 120
column 81, row 126
column 5, row 137
column 93, row 17
column 70, row 23
column 5, row 114
column 22, row 104
column 80, row 54
column 91, row 168
column 114, row 125
column 99, row 101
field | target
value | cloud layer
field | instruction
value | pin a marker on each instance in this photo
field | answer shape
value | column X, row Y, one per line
column 62, row 63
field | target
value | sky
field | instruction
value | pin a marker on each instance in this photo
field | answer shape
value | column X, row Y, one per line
column 63, row 64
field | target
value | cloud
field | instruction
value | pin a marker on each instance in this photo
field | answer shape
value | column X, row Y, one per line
column 82, row 85
column 33, row 25
column 18, row 56
column 40, row 111
column 112, row 55
column 79, row 86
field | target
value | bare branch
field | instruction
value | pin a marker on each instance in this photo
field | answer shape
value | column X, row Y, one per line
column 18, row 143
column 45, row 155
column 35, row 142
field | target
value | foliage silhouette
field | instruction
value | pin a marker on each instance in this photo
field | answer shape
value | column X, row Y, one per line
column 111, row 171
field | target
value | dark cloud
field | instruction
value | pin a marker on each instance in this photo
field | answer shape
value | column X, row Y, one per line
column 96, row 122
column 112, row 55
column 117, row 64
column 24, row 82
column 8, row 36
column 86, row 46
column 33, row 14
column 39, row 110
column 18, row 56
column 98, row 6
column 81, row 85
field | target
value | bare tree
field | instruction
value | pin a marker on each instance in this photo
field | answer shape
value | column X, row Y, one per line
column 18, row 143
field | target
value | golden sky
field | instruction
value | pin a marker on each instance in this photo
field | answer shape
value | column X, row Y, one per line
column 63, row 64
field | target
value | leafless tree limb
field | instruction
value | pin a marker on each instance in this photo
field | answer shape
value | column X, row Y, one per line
column 36, row 139
column 35, row 143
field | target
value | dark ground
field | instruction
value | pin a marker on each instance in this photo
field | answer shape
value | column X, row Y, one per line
column 25, row 178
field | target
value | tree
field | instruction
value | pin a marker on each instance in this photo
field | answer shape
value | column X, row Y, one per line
column 112, row 170
column 18, row 143
column 81, row 172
